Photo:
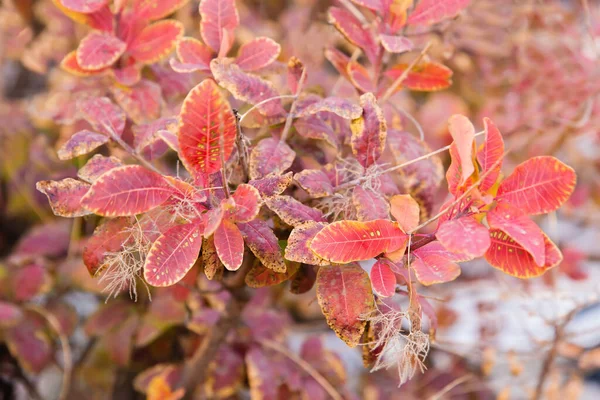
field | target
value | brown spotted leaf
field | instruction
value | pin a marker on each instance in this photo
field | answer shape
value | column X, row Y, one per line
column 96, row 166
column 342, row 107
column 315, row 182
column 213, row 267
column 261, row 240
column 272, row 185
column 82, row 142
column 270, row 156
column 369, row 204
column 260, row 276
column 298, row 246
column 345, row 296
column 369, row 132
column 292, row 212
column 104, row 116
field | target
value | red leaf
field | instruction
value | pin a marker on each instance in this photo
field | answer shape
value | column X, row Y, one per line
column 207, row 129
column 406, row 211
column 96, row 166
column 82, row 142
column 396, row 44
column 84, row 6
column 434, row 264
column 65, row 196
column 359, row 77
column 247, row 203
column 352, row 29
column 212, row 220
column 156, row 41
column 99, row 50
column 425, row 77
column 108, row 237
column 141, row 102
column 490, row 153
column 29, row 281
column 461, row 153
column 128, row 75
column 383, row 279
column 298, row 246
column 261, row 276
column 173, row 254
column 538, row 186
column 511, row 258
column 152, row 10
column 345, row 297
column 369, row 204
column 213, row 267
column 148, row 140
column 342, row 107
column 258, row 53
column 519, row 228
column 346, row 241
column 315, row 182
column 272, row 185
column 230, row 245
column 127, row 190
column 193, row 56
column 270, row 156
column 464, row 236
column 339, row 61
column 218, row 18
column 292, row 212
column 430, row 12
column 104, row 116
column 368, row 132
column 261, row 240
column 247, row 87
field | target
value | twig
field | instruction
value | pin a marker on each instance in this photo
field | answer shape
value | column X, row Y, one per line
column 439, row 395
column 355, row 11
column 390, row 91
column 397, row 167
column 288, row 121
column 305, row 366
column 283, row 96
column 411, row 119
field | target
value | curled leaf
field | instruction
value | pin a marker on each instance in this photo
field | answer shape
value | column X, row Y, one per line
column 65, row 196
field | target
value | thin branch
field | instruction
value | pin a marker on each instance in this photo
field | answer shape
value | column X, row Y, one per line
column 397, row 167
column 411, row 119
column 288, row 121
column 305, row 366
column 459, row 381
column 355, row 11
column 390, row 91
column 283, row 96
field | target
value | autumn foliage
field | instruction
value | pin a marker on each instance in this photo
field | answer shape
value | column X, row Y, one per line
column 211, row 171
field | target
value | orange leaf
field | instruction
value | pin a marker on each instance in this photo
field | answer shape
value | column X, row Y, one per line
column 425, row 77
column 156, row 41
column 406, row 211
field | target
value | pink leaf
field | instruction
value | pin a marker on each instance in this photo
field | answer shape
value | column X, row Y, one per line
column 193, row 56
column 538, row 186
column 173, row 254
column 434, row 264
column 257, row 54
column 360, row 77
column 84, row 6
column 463, row 133
column 230, row 245
column 141, row 102
column 247, row 87
column 342, row 107
column 29, row 343
column 152, row 10
column 490, row 154
column 396, row 44
column 430, row 12
column 352, row 29
column 272, row 185
column 65, row 196
column 127, row 190
column 261, row 240
column 383, row 279
column 291, row 211
column 99, row 50
column 406, row 211
column 247, row 203
column 10, row 314
column 207, row 129
column 519, row 228
column 270, row 156
column 217, row 17
column 369, row 204
column 96, row 166
column 315, row 182
column 104, row 116
column 82, row 142
column 464, row 236
column 346, row 241
column 155, row 41
column 295, row 69
column 108, row 238
column 314, row 127
column 369, row 132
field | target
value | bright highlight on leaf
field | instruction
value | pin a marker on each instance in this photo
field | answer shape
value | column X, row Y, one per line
column 99, row 50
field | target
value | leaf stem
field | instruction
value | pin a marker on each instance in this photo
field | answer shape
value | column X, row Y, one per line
column 288, row 121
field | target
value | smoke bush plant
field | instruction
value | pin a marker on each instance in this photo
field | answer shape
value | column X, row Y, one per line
column 220, row 171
